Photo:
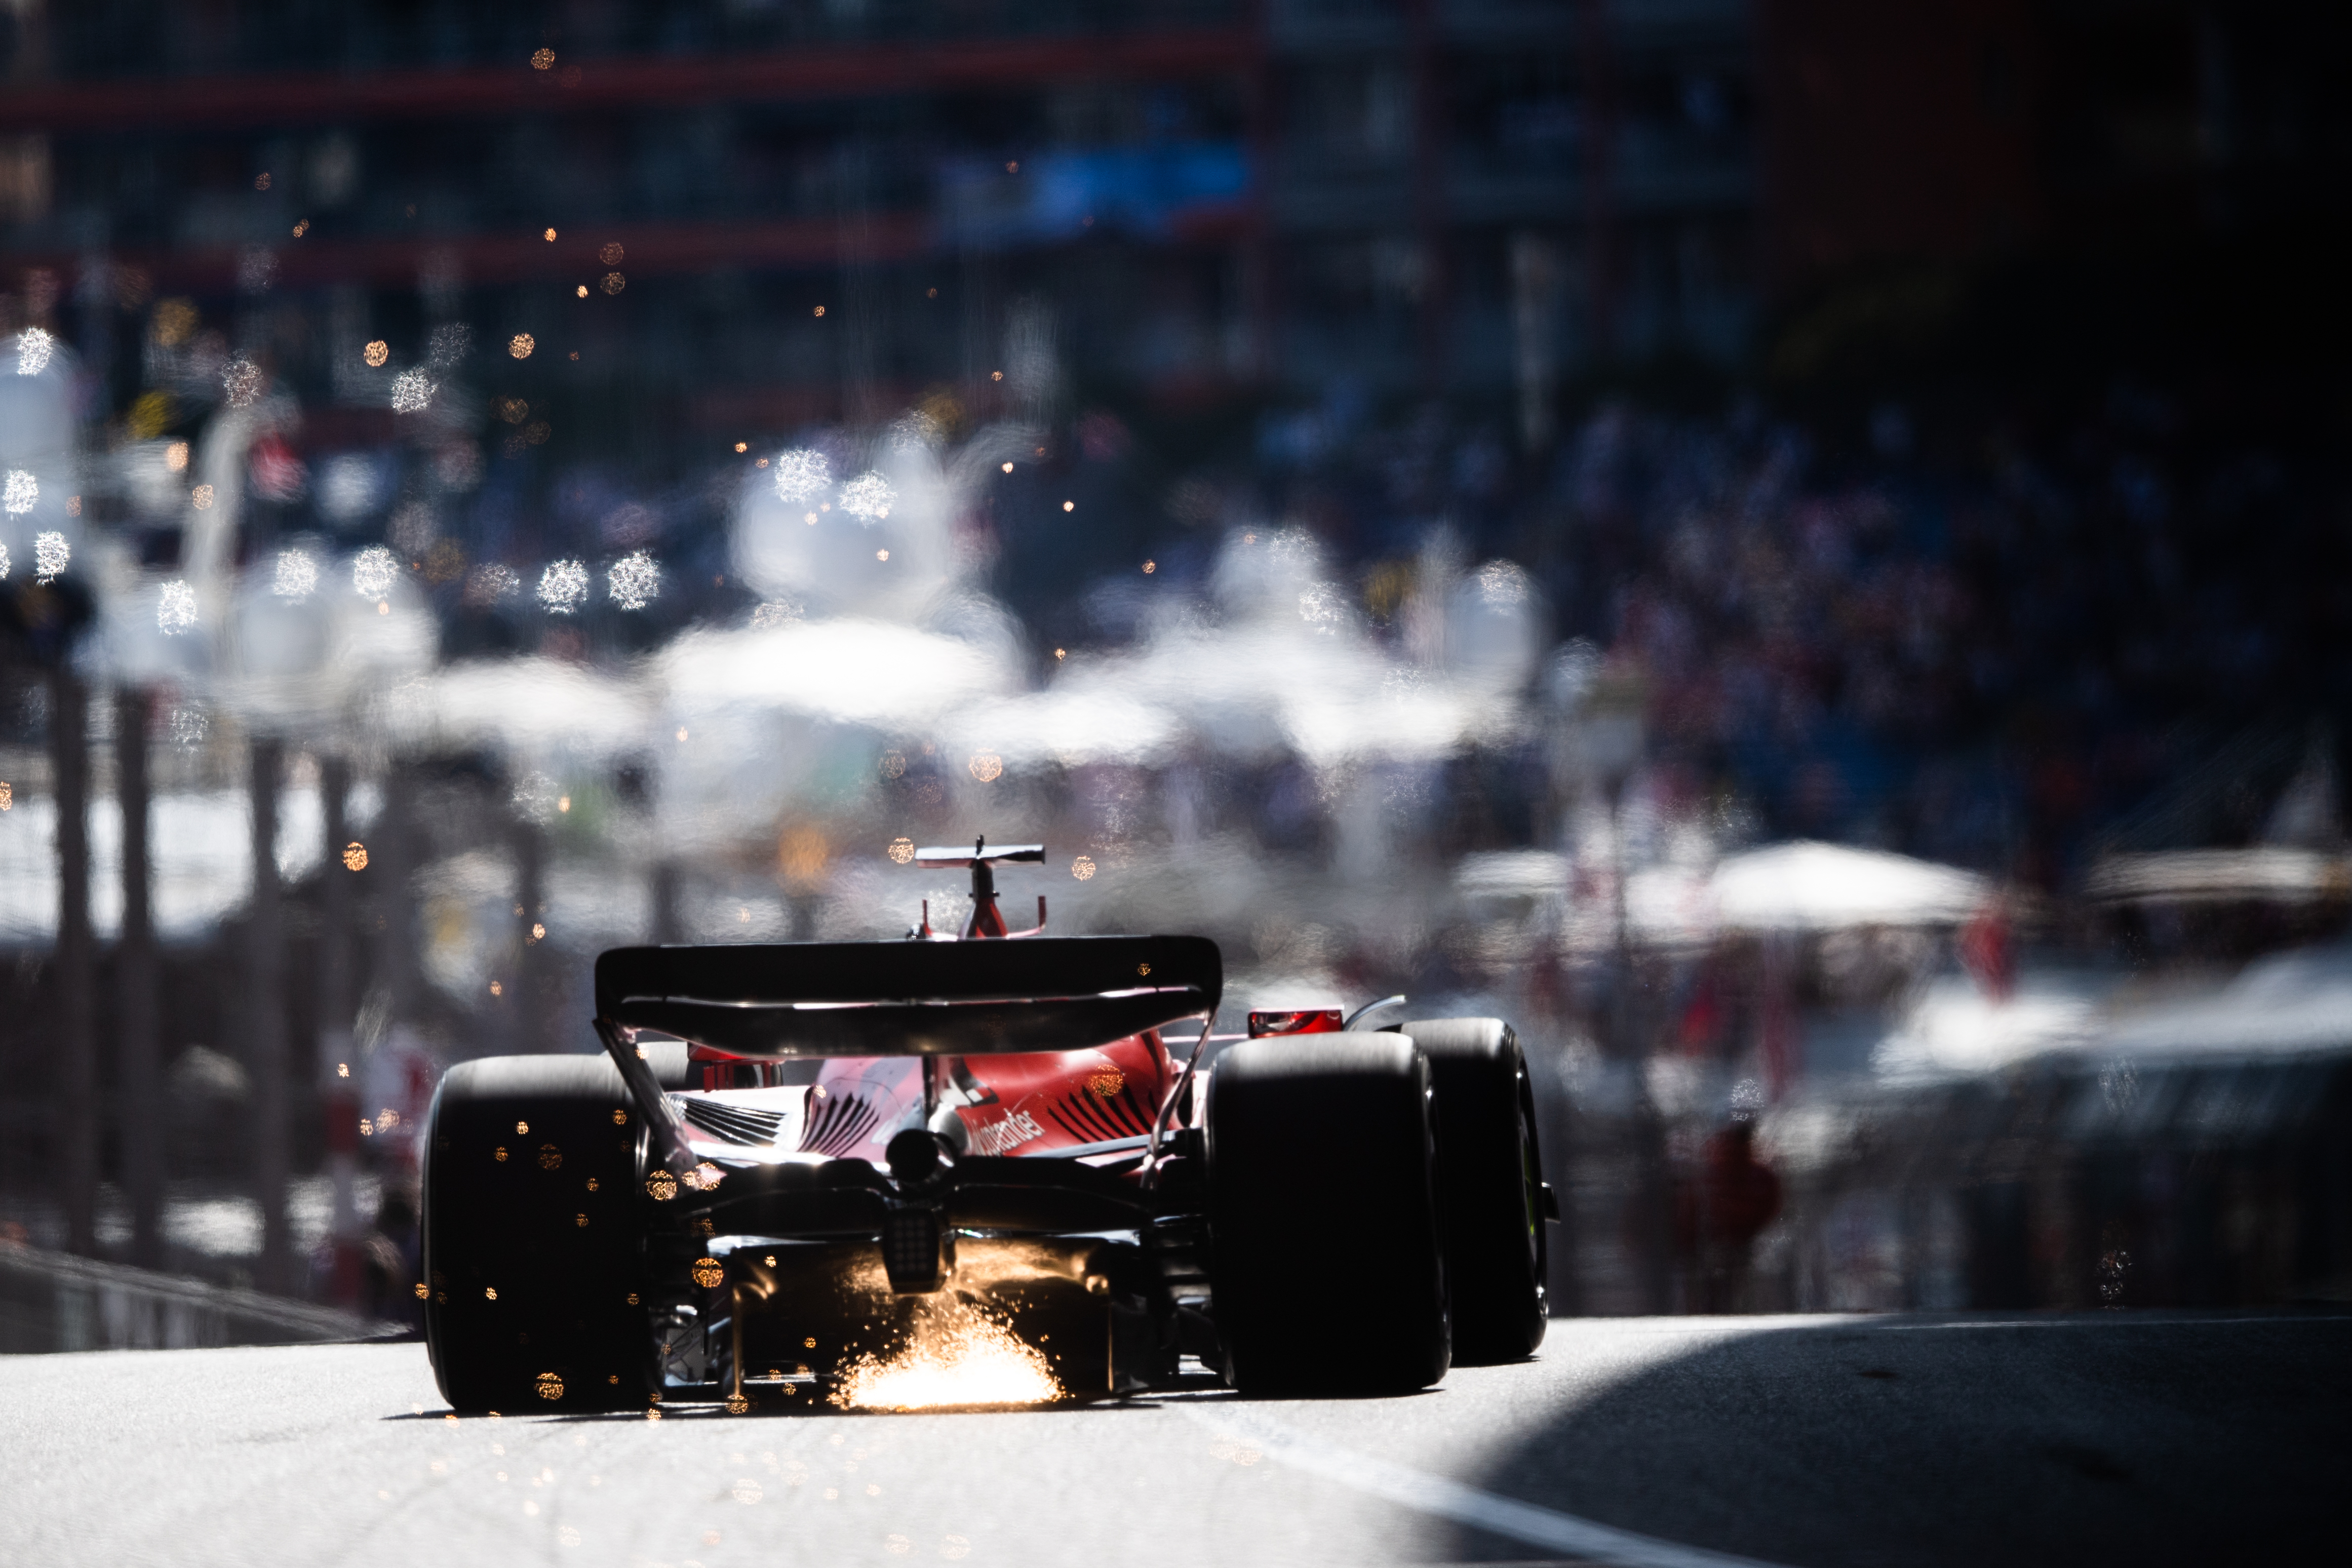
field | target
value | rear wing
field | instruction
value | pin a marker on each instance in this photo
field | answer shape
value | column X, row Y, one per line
column 910, row 998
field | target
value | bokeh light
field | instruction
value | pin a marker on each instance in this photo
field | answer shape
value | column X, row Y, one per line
column 635, row 581
column 802, row 474
column 241, row 382
column 564, row 587
column 296, row 575
column 33, row 348
column 867, row 498
column 373, row 572
column 412, row 392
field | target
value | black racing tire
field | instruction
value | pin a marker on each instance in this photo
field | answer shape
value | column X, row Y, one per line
column 1328, row 1272
column 534, row 1239
column 1489, row 1186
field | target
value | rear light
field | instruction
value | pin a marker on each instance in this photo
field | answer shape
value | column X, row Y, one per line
column 720, row 1070
column 1313, row 1021
column 918, row 1255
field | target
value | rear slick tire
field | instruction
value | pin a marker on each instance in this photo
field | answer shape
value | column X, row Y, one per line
column 534, row 1251
column 1489, row 1187
column 1328, row 1276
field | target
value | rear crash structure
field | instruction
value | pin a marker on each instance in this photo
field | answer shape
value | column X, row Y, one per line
column 795, row 1163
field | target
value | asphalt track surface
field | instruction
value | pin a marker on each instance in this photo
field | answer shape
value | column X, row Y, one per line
column 1668, row 1443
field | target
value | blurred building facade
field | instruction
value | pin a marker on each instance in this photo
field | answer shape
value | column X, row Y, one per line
column 1424, row 196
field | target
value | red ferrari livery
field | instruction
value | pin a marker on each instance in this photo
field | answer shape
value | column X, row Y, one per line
column 795, row 1161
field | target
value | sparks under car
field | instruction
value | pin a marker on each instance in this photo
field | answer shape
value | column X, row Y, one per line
column 791, row 1154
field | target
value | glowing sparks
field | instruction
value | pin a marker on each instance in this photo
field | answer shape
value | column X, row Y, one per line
column 661, row 1186
column 633, row 581
column 355, row 856
column 543, row 59
column 412, row 392
column 986, row 766
column 19, row 492
column 1083, row 869
column 550, row 236
column 296, row 576
column 956, row 1358
column 522, row 343
column 708, row 1272
column 201, row 497
column 176, row 457
column 551, row 1386
column 373, row 572
column 563, row 587
column 893, row 765
column 7, row 796
column 902, row 850
column 376, row 352
column 611, row 255
column 1069, row 506
column 801, row 473
column 868, row 497
column 241, row 382
column 33, row 348
column 51, row 555
column 614, row 283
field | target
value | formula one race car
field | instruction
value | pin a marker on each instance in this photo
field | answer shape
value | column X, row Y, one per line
column 798, row 1156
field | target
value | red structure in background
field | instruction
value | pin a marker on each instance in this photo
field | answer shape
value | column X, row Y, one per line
column 603, row 85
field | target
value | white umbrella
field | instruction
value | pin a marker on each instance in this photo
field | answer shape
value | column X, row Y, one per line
column 1808, row 886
